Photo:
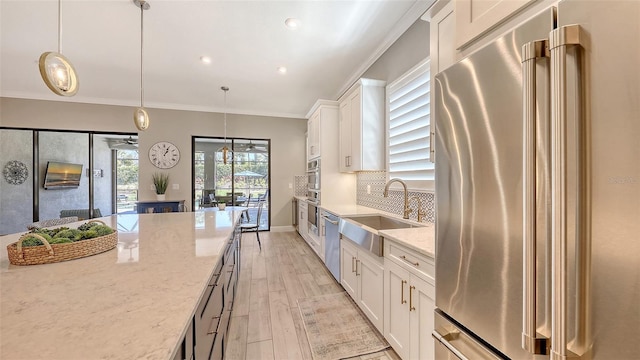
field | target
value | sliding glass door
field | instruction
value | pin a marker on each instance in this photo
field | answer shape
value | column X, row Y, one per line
column 240, row 180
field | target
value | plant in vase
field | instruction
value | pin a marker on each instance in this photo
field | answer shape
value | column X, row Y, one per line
column 160, row 181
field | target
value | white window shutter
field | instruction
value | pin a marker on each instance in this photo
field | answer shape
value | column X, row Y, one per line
column 409, row 127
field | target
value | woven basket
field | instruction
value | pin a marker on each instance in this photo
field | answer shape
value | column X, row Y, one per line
column 51, row 253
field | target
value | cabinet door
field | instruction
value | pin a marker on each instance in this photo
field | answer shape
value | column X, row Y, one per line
column 313, row 131
column 422, row 298
column 354, row 161
column 303, row 225
column 475, row 17
column 371, row 289
column 348, row 278
column 396, row 305
column 345, row 135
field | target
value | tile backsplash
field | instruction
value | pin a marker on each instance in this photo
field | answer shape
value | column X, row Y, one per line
column 300, row 185
column 395, row 202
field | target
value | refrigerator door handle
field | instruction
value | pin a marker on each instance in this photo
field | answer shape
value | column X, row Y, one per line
column 559, row 40
column 531, row 341
column 444, row 340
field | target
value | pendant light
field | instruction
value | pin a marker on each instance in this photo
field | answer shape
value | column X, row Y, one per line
column 227, row 154
column 140, row 115
column 56, row 70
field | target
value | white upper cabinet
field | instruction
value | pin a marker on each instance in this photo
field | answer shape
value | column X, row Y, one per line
column 442, row 27
column 313, row 134
column 475, row 17
column 362, row 126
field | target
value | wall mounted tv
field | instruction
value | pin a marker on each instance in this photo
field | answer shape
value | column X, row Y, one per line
column 62, row 175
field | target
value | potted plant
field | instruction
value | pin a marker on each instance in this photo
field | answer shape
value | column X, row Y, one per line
column 160, row 181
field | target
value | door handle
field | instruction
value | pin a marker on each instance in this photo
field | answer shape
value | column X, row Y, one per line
column 411, row 307
column 357, row 261
column 531, row 342
column 402, row 300
column 353, row 264
column 445, row 340
column 559, row 40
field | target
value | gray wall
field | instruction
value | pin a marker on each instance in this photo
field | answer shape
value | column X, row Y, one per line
column 16, row 210
column 410, row 48
column 286, row 135
column 68, row 148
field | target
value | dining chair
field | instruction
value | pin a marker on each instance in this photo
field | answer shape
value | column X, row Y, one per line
column 250, row 227
column 245, row 213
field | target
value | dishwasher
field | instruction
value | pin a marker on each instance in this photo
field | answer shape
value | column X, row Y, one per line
column 331, row 244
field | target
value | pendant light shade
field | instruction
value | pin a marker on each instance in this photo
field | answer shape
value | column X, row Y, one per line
column 141, row 119
column 227, row 154
column 56, row 70
column 140, row 115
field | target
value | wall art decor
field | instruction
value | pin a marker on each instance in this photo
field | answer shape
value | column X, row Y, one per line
column 15, row 172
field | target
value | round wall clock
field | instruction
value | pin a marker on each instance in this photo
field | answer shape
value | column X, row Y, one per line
column 15, row 172
column 164, row 155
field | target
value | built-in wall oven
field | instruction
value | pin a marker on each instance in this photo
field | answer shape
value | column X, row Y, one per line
column 312, row 215
column 313, row 174
column 313, row 194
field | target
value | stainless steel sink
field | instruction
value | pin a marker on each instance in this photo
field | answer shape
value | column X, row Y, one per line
column 379, row 222
column 363, row 230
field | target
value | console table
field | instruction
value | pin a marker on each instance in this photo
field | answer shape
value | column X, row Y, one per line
column 159, row 206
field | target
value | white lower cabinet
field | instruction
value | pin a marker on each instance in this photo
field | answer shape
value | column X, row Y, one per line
column 409, row 302
column 362, row 276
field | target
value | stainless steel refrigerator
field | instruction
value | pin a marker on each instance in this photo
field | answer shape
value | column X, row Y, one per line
column 537, row 139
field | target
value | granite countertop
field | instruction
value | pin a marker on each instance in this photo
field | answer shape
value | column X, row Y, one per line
column 420, row 239
column 131, row 302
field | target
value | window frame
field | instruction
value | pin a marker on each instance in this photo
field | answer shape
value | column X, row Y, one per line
column 418, row 70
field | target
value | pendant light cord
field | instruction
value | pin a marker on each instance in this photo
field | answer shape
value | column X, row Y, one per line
column 225, row 117
column 59, row 27
column 141, row 54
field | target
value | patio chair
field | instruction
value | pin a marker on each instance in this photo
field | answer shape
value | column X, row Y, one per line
column 251, row 227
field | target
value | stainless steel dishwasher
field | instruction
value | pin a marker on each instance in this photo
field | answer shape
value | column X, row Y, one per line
column 331, row 243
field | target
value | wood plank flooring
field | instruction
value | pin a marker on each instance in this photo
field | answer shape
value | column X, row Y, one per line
column 266, row 322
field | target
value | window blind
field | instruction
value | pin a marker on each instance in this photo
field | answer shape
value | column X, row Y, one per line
column 409, row 128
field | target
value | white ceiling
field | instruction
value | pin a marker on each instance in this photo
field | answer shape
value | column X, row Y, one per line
column 247, row 41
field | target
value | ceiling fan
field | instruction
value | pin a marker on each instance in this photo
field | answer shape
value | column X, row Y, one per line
column 123, row 144
column 251, row 147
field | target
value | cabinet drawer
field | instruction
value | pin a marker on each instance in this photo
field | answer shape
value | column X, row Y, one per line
column 414, row 262
column 216, row 352
column 231, row 278
column 207, row 339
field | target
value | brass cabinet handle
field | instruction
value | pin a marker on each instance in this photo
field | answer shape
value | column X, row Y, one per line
column 411, row 307
column 409, row 261
column 402, row 300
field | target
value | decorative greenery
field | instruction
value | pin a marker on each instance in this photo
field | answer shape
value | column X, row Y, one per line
column 63, row 235
column 161, row 181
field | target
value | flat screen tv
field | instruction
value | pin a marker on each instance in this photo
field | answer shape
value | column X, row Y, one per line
column 62, row 175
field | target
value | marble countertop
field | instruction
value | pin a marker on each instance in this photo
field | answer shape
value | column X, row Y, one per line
column 131, row 302
column 420, row 239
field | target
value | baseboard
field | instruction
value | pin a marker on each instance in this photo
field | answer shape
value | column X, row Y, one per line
column 282, row 228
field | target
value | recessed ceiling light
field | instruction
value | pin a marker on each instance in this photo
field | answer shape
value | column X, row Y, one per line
column 205, row 59
column 292, row 23
column 282, row 69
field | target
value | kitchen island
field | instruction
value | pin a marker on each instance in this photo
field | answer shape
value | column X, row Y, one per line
column 135, row 301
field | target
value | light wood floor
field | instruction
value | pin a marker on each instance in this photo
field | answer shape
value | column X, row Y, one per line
column 265, row 321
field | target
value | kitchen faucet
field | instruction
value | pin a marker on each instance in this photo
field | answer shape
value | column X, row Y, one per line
column 420, row 212
column 407, row 211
